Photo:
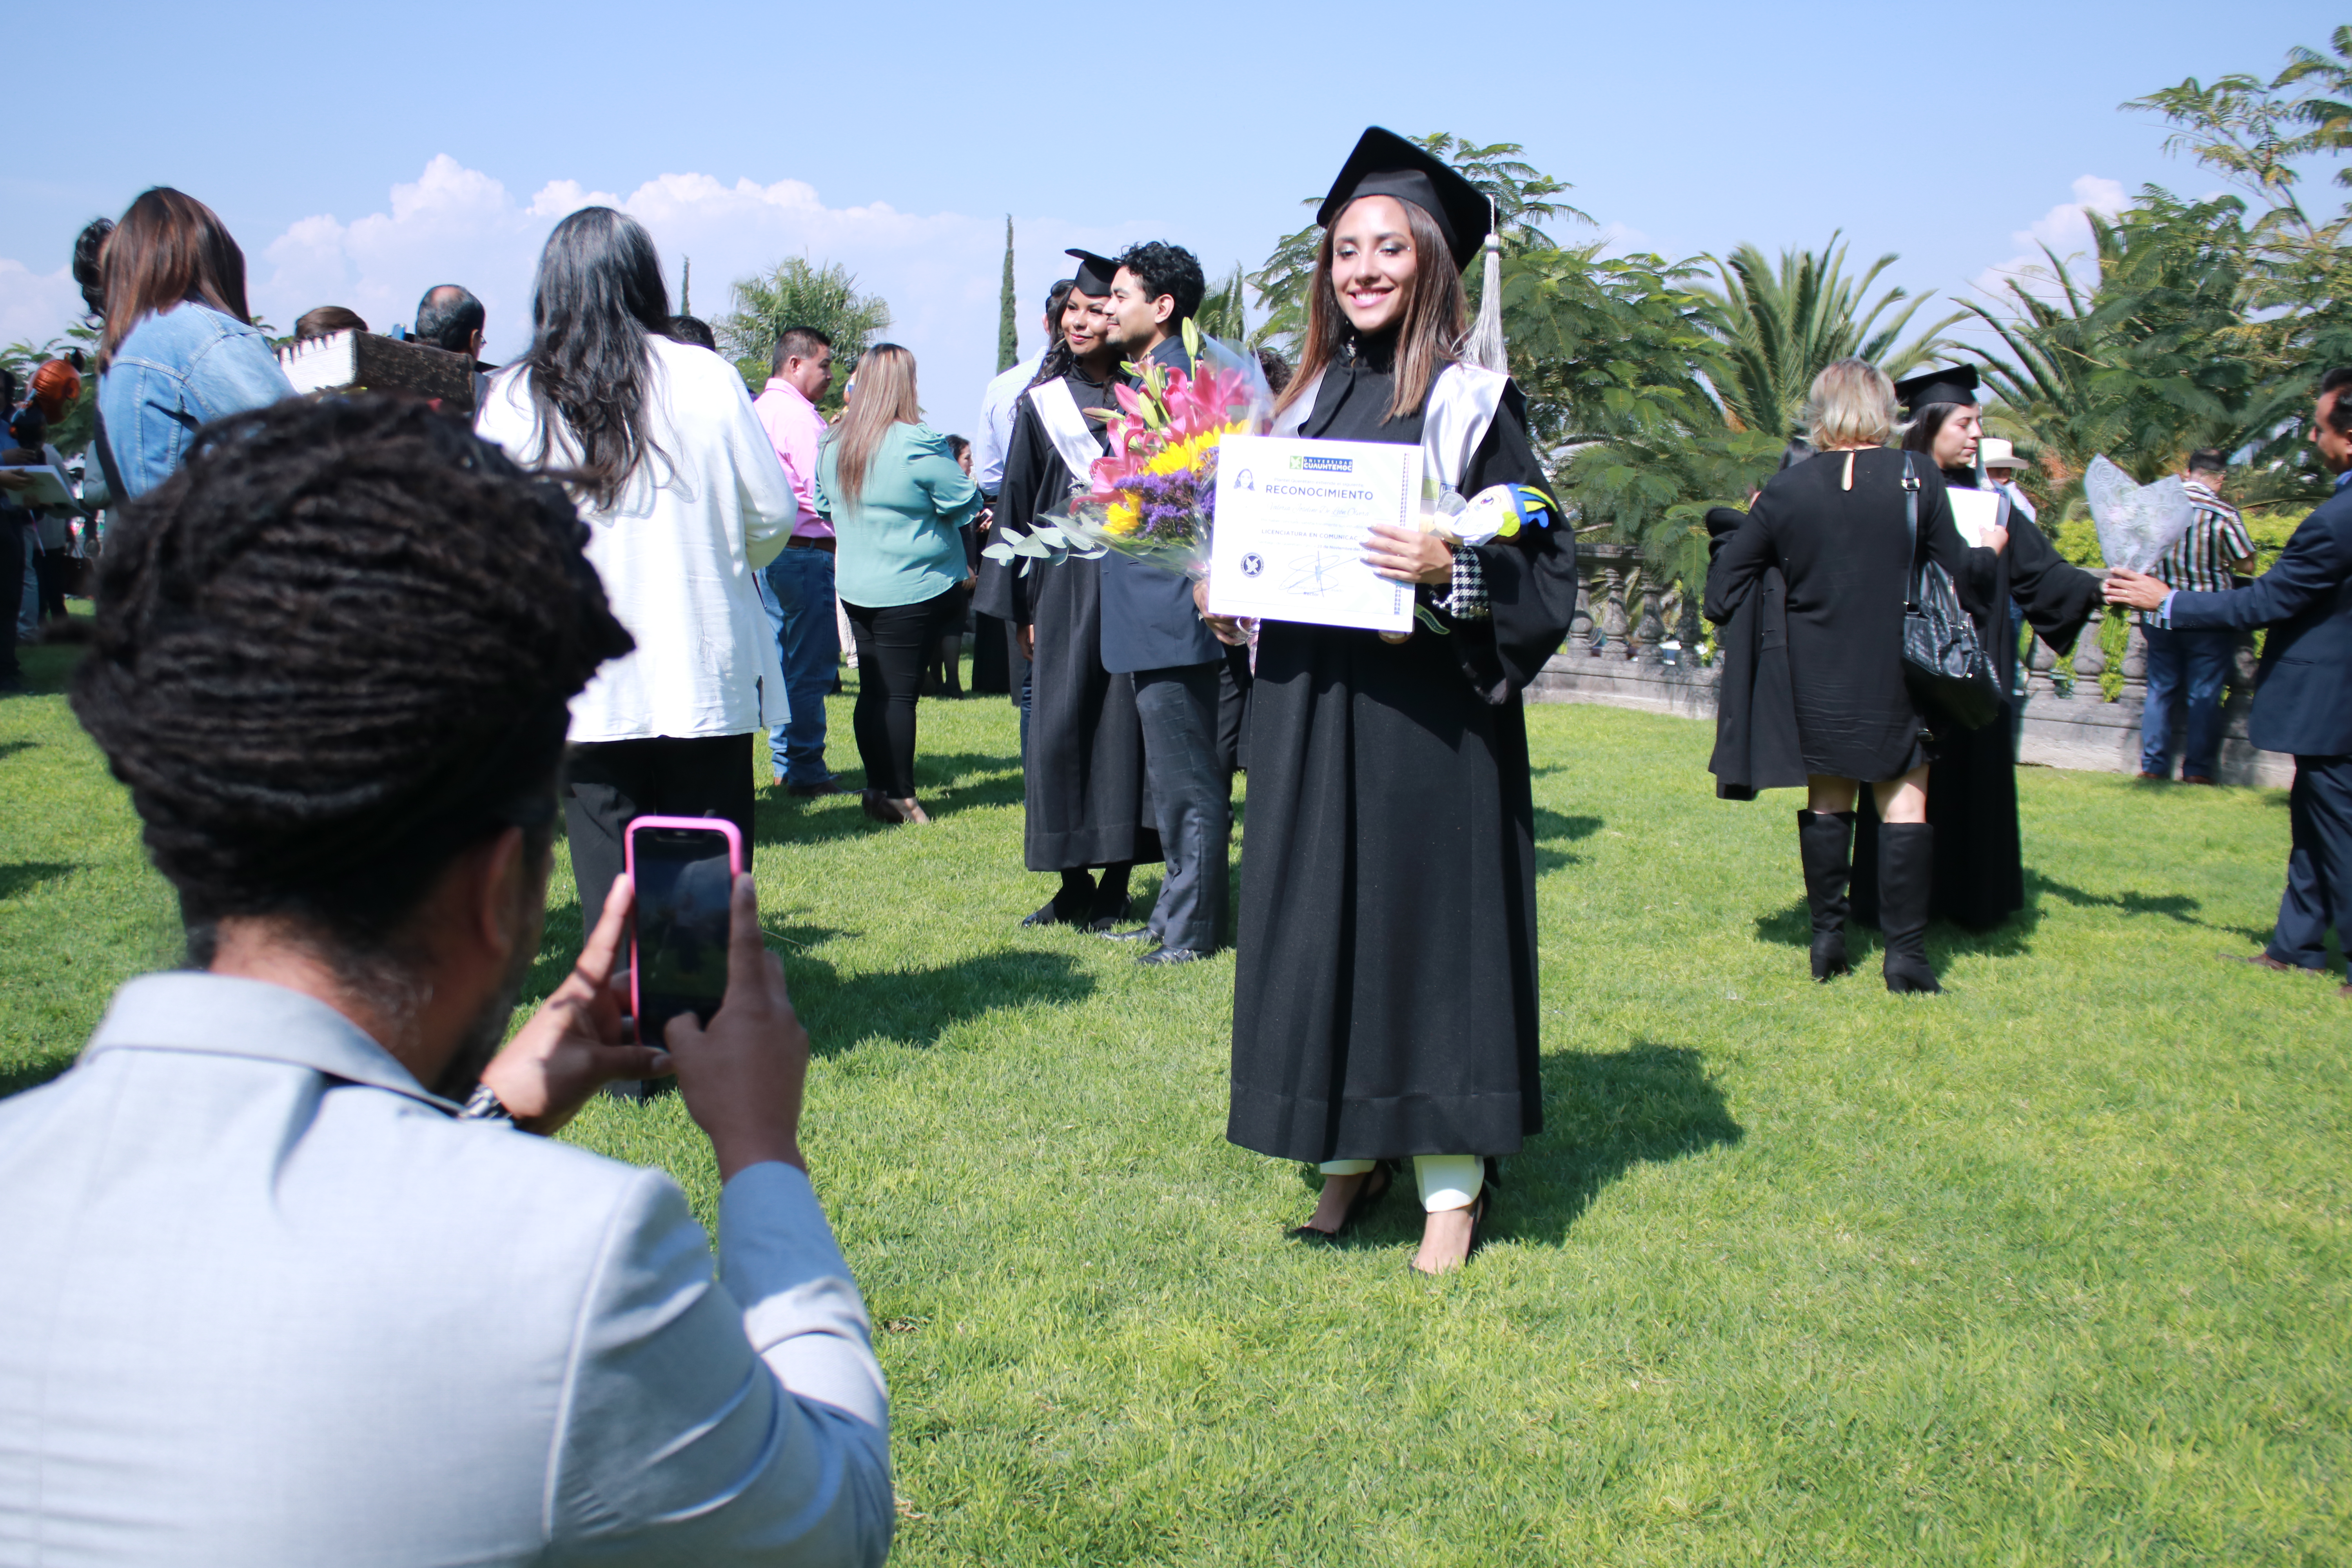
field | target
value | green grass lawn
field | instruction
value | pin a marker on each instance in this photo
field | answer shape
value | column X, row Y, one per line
column 2052, row 1268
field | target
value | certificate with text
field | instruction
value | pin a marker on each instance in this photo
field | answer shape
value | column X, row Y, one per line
column 1292, row 520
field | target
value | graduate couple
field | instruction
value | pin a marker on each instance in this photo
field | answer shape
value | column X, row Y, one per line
column 1385, row 994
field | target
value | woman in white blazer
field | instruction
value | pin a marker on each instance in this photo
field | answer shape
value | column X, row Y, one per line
column 683, row 500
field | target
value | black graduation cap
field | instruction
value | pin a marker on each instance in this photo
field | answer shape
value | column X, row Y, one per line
column 1953, row 384
column 1385, row 165
column 1095, row 273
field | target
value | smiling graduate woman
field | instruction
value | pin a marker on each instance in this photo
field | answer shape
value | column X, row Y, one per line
column 1384, row 1004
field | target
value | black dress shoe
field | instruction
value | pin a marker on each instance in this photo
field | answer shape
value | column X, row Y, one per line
column 1053, row 914
column 1173, row 955
column 811, row 790
column 1140, row 933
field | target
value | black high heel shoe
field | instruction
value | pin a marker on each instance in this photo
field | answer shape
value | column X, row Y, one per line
column 1369, row 1194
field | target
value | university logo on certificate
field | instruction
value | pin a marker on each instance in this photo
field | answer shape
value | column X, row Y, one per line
column 1292, row 518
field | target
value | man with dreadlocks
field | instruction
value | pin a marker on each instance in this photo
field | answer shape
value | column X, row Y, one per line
column 271, row 1296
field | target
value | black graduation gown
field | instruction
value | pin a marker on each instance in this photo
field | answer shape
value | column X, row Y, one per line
column 1972, row 786
column 1755, row 745
column 1847, row 557
column 1384, row 996
column 1083, row 782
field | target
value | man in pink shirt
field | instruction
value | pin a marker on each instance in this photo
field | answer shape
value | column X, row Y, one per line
column 797, row 586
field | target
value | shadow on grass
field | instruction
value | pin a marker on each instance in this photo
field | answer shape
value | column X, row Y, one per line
column 28, row 873
column 10, row 748
column 2177, row 907
column 1553, row 829
column 912, row 1005
column 1605, row 1112
column 945, row 782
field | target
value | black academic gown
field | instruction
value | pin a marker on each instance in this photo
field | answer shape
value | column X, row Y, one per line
column 1085, row 783
column 1384, row 996
column 1972, row 785
column 1756, row 743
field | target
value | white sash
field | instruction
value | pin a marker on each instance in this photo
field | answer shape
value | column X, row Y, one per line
column 1071, row 432
column 1461, row 410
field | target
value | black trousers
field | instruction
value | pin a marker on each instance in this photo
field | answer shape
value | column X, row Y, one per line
column 609, row 783
column 894, row 643
column 2319, row 867
column 1192, row 792
column 1234, row 684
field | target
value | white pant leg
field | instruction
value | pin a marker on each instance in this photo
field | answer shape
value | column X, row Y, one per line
column 1448, row 1181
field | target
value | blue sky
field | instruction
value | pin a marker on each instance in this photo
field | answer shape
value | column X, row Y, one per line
column 363, row 153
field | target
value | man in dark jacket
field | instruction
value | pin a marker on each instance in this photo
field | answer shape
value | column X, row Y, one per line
column 2303, row 703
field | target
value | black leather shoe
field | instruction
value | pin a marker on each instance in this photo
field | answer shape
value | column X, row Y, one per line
column 1140, row 933
column 812, row 791
column 1052, row 914
column 1173, row 955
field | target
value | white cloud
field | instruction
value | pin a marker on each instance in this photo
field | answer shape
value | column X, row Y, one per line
column 36, row 307
column 2065, row 228
column 454, row 225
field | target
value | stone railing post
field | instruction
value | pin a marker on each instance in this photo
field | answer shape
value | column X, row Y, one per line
column 1688, row 632
column 1650, row 631
column 1580, row 625
column 1612, row 613
column 2040, row 667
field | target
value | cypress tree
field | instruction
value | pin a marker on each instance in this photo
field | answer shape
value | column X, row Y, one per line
column 1008, row 318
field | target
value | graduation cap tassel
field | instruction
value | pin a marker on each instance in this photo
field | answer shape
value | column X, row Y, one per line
column 1485, row 348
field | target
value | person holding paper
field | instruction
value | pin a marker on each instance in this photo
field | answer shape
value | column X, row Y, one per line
column 1083, row 759
column 1979, row 878
column 2303, row 705
column 1384, row 996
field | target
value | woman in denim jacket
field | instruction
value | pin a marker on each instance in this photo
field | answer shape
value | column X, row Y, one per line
column 179, row 350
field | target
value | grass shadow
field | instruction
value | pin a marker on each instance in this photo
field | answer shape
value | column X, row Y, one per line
column 1605, row 1112
column 918, row 1005
column 1553, row 829
column 28, row 873
column 10, row 748
column 2179, row 908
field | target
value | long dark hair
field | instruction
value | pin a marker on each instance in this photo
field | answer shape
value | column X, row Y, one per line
column 169, row 248
column 1059, row 357
column 599, row 294
column 1430, row 327
column 1928, row 422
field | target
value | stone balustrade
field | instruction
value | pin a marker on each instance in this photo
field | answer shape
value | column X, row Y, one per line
column 1617, row 656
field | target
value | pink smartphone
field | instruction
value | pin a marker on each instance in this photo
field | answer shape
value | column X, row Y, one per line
column 683, row 869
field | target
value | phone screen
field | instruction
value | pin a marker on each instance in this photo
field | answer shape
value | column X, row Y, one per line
column 684, row 885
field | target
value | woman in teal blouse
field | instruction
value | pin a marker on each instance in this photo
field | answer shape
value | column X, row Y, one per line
column 898, row 501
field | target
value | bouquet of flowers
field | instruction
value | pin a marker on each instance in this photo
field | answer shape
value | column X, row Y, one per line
column 1155, row 497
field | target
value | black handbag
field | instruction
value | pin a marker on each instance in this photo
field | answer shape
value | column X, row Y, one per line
column 1944, row 663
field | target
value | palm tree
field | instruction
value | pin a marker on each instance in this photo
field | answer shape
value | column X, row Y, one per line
column 798, row 292
column 1780, row 327
column 1221, row 314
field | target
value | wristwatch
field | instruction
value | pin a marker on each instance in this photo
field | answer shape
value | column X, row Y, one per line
column 484, row 1105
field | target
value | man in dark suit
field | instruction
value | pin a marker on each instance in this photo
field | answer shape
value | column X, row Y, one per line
column 1153, row 632
column 2303, row 697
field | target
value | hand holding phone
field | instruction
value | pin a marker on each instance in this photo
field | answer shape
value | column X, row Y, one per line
column 683, row 869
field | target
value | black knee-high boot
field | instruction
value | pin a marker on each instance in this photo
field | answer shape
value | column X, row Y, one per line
column 1825, row 843
column 1906, row 874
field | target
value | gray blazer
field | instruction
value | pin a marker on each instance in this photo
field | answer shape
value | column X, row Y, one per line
column 264, row 1301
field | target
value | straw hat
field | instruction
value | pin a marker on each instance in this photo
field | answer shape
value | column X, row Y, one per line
column 1995, row 453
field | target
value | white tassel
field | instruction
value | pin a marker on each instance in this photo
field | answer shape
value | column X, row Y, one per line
column 1485, row 348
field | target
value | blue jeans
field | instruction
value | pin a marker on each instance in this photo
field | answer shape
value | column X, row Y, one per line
column 797, row 589
column 2203, row 659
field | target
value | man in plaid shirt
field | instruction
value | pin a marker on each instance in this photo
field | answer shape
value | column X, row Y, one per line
column 2201, row 561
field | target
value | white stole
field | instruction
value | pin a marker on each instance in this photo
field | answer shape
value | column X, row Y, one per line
column 1072, row 435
